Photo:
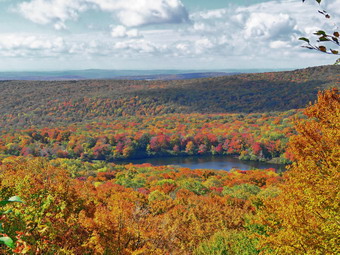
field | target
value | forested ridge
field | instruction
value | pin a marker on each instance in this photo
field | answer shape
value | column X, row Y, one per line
column 24, row 104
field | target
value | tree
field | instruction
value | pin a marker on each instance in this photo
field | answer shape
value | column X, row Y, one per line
column 323, row 37
column 304, row 218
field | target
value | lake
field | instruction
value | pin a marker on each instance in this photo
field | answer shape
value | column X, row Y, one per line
column 208, row 162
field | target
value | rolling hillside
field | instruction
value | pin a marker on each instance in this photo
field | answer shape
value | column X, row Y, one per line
column 49, row 103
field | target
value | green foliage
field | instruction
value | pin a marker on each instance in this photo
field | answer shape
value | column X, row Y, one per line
column 10, row 200
column 229, row 243
column 157, row 195
column 6, row 240
column 194, row 186
column 243, row 191
column 165, row 181
column 130, row 180
column 269, row 192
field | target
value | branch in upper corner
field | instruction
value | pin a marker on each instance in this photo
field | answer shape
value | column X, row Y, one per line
column 323, row 37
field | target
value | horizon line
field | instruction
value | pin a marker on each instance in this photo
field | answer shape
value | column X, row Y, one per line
column 146, row 70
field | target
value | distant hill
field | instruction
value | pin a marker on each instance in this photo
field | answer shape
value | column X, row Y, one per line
column 112, row 74
column 92, row 74
column 48, row 103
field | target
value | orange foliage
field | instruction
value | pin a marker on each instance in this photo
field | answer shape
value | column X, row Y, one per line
column 168, row 210
column 305, row 218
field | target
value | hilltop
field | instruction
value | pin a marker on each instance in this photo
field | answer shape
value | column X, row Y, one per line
column 46, row 103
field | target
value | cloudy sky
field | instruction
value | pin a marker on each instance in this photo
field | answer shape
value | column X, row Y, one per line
column 160, row 34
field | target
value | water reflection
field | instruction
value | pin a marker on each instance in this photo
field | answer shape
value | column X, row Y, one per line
column 208, row 162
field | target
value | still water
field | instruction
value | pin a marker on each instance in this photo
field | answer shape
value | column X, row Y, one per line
column 208, row 162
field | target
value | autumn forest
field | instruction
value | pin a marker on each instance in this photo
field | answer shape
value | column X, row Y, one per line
column 64, row 190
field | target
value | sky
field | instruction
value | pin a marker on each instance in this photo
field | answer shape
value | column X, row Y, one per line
column 45, row 35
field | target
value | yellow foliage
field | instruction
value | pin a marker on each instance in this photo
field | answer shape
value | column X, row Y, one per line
column 304, row 218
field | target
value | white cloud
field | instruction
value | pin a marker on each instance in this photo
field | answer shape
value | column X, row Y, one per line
column 332, row 6
column 257, row 35
column 212, row 14
column 128, row 12
column 59, row 26
column 279, row 44
column 27, row 45
column 202, row 45
column 256, row 30
column 122, row 32
column 267, row 26
column 183, row 48
column 144, row 12
column 54, row 11
column 138, row 46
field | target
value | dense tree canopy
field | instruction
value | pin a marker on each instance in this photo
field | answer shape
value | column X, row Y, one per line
column 26, row 104
column 304, row 219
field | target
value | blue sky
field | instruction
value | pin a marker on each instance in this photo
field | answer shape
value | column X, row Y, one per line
column 160, row 34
